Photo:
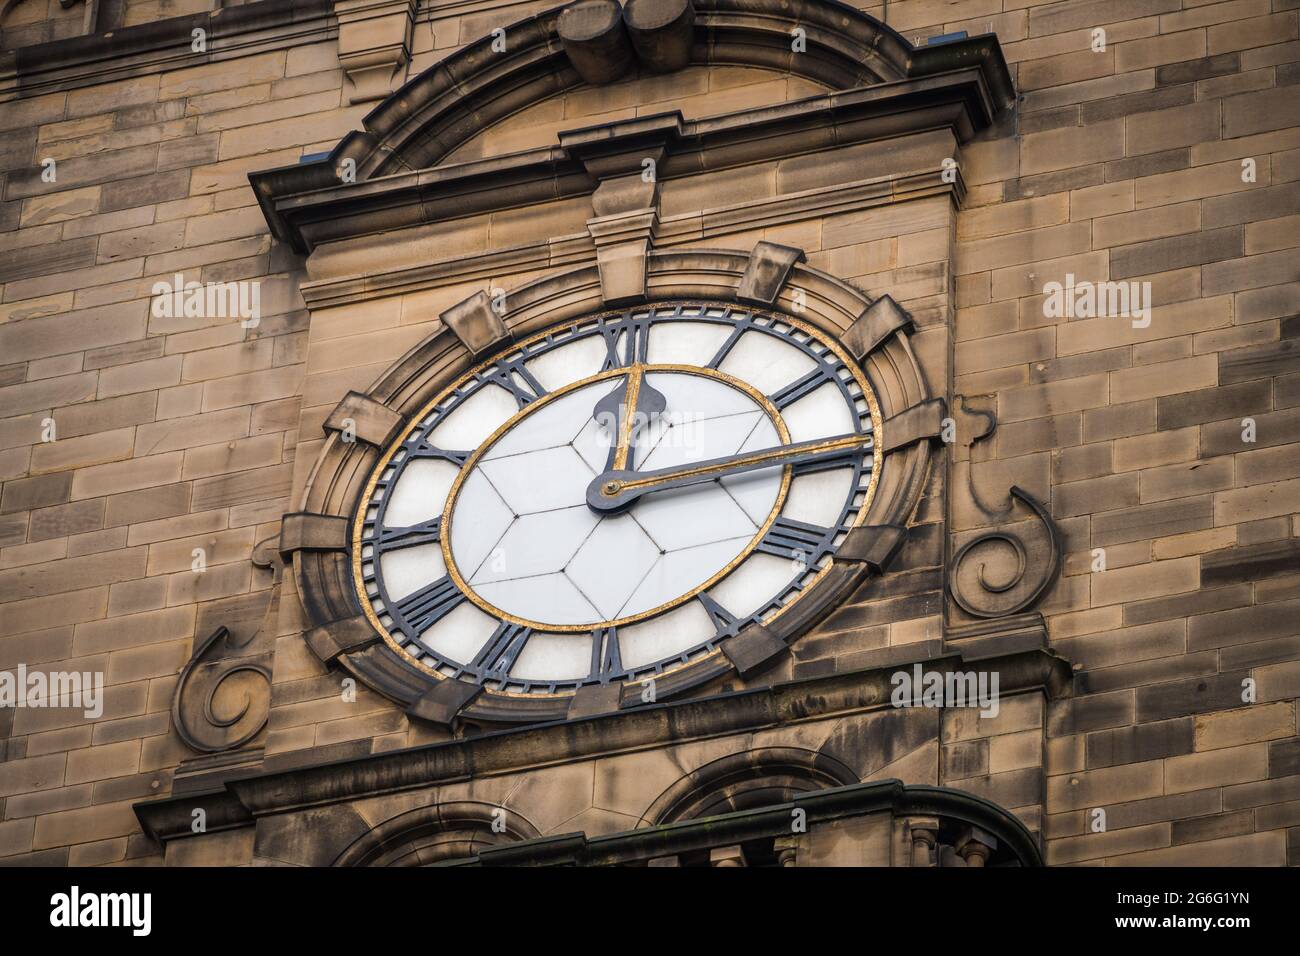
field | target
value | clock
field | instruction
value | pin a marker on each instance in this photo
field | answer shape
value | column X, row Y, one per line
column 613, row 498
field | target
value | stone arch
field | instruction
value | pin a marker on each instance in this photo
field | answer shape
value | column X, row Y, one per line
column 741, row 781
column 404, row 166
column 427, row 835
column 420, row 124
column 477, row 86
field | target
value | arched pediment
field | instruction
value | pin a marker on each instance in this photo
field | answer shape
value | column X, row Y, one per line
column 535, row 59
column 405, row 163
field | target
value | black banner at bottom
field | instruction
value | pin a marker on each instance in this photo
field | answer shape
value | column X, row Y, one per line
column 946, row 906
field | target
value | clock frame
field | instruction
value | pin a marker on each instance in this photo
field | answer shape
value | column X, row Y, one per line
column 872, row 335
column 624, row 335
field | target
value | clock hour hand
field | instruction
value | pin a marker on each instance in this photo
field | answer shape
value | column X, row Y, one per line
column 616, row 489
column 627, row 408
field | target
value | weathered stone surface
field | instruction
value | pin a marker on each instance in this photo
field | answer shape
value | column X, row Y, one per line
column 130, row 441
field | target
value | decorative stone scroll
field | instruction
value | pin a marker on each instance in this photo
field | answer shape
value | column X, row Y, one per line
column 1004, row 571
column 228, row 665
column 1028, row 565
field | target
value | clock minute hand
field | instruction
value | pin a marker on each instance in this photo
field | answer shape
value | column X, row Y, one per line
column 628, row 407
column 616, row 489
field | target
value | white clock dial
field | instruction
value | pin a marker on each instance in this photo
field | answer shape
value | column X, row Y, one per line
column 615, row 497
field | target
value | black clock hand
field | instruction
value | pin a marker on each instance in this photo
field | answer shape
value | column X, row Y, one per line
column 628, row 407
column 616, row 489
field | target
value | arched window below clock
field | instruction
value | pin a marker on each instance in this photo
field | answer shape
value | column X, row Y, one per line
column 744, row 781
column 429, row 835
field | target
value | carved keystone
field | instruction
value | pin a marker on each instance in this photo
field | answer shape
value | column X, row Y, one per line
column 627, row 195
column 475, row 324
column 304, row 531
column 368, row 420
column 596, row 40
column 768, row 267
column 662, row 32
column 873, row 545
column 444, row 700
column 595, row 699
column 752, row 648
column 331, row 641
column 879, row 321
column 622, row 271
column 923, row 420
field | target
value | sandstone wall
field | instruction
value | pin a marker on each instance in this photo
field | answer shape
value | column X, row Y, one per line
column 1123, row 164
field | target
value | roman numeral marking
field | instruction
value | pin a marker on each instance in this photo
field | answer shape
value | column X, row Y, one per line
column 426, row 532
column 516, row 379
column 724, row 622
column 788, row 538
column 606, row 663
column 627, row 341
column 502, row 649
column 804, row 385
column 424, row 450
column 427, row 606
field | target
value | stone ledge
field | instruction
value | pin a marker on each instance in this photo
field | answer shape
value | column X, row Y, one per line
column 151, row 48
column 317, row 785
column 306, row 204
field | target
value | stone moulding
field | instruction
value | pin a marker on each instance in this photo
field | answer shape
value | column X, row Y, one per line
column 374, row 44
column 152, row 48
column 740, row 779
column 407, row 836
column 241, row 802
column 883, row 87
column 307, row 205
column 193, row 717
column 766, row 273
column 365, row 419
column 324, row 577
column 580, row 248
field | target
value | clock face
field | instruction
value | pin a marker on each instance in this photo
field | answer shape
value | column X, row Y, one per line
column 613, row 498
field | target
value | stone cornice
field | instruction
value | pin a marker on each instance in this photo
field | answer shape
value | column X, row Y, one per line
column 163, row 45
column 672, row 231
column 306, row 205
column 244, row 799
